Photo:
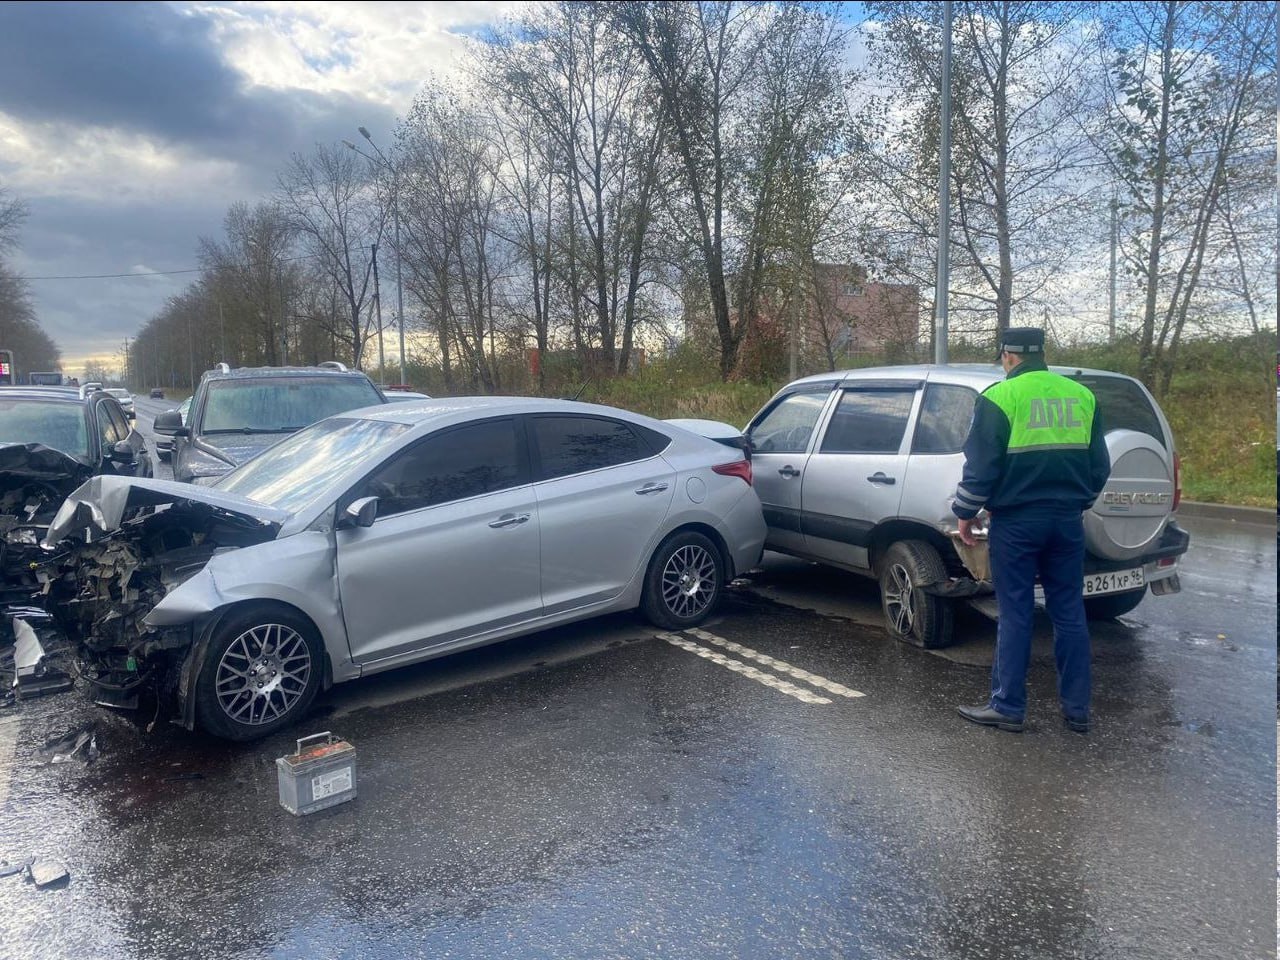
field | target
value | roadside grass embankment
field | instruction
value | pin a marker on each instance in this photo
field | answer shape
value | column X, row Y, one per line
column 1220, row 404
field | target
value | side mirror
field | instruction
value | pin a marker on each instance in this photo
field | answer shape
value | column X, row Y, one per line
column 359, row 513
column 168, row 422
column 122, row 453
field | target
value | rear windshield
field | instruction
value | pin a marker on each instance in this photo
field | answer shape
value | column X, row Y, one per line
column 282, row 405
column 53, row 423
column 1123, row 405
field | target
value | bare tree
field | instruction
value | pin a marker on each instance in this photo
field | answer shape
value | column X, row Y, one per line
column 1191, row 82
column 328, row 199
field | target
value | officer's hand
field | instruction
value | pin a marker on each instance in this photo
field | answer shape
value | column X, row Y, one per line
column 966, row 533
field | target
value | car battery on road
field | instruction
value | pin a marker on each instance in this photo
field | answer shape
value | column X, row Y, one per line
column 322, row 775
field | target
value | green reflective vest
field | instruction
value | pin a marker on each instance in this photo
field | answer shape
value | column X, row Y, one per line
column 1045, row 411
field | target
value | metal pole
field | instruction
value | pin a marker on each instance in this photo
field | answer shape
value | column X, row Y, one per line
column 395, row 181
column 1111, row 295
column 943, row 280
column 377, row 304
column 222, row 324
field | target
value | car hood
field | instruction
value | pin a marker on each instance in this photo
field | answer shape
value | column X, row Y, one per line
column 238, row 447
column 100, row 504
column 33, row 476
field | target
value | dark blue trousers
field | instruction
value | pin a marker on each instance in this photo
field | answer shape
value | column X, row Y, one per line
column 1051, row 546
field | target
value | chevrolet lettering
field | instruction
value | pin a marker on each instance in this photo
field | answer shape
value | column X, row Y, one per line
column 1116, row 498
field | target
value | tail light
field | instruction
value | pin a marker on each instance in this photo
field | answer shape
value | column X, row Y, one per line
column 1177, row 480
column 739, row 468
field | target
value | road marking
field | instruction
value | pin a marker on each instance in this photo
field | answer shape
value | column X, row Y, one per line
column 822, row 683
column 737, row 666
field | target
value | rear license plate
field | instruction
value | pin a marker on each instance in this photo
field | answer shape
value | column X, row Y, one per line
column 1114, row 581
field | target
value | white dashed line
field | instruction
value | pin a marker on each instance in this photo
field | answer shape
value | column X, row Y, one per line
column 822, row 683
column 737, row 666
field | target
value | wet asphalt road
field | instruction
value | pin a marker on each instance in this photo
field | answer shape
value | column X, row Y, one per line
column 598, row 792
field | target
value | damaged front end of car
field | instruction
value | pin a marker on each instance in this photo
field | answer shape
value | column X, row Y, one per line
column 119, row 546
column 34, row 480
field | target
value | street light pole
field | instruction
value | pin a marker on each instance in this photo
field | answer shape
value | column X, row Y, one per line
column 943, row 280
column 395, row 213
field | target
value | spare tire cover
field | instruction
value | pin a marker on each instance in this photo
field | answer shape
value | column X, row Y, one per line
column 1130, row 514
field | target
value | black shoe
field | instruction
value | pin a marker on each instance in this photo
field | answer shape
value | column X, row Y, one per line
column 988, row 717
column 1076, row 724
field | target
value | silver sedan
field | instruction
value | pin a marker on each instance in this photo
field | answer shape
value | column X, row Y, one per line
column 395, row 534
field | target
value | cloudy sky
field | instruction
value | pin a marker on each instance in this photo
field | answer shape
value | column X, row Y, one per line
column 129, row 128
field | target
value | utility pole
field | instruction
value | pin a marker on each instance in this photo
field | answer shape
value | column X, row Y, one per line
column 377, row 304
column 222, row 326
column 1111, row 295
column 943, row 281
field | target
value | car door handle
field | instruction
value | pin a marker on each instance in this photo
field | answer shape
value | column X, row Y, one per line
column 881, row 478
column 509, row 520
column 789, row 471
column 651, row 488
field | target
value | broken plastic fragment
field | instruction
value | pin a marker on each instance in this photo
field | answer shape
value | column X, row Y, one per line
column 44, row 873
column 8, row 869
column 28, row 652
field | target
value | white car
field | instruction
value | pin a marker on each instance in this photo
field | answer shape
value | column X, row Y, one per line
column 126, row 400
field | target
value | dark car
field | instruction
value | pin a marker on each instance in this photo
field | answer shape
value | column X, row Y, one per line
column 157, row 393
column 236, row 414
column 52, row 439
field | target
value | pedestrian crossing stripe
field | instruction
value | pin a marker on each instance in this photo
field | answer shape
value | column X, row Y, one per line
column 822, row 683
column 746, row 670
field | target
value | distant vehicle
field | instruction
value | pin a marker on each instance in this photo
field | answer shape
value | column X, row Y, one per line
column 395, row 396
column 47, row 378
column 126, row 400
column 236, row 414
column 157, row 393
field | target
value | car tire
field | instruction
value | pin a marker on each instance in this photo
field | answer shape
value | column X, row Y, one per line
column 248, row 654
column 911, row 614
column 684, row 582
column 1113, row 604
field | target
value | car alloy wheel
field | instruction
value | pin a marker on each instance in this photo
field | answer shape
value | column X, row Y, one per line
column 689, row 581
column 683, row 583
column 263, row 674
column 262, row 665
column 899, row 599
column 911, row 612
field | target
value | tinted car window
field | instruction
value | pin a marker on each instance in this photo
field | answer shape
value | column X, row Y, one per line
column 58, row 425
column 1123, row 405
column 946, row 414
column 466, row 462
column 868, row 422
column 568, row 445
column 789, row 425
column 282, row 404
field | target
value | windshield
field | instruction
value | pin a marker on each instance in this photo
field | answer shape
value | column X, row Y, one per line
column 293, row 472
column 281, row 405
column 53, row 423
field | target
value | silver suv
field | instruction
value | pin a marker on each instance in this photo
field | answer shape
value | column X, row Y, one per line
column 857, row 469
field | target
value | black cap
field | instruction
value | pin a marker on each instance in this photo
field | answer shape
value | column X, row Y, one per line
column 1028, row 341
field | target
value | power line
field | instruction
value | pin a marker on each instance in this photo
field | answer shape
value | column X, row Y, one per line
column 159, row 273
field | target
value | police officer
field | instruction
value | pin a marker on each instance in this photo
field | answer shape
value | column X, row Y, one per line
column 1036, row 459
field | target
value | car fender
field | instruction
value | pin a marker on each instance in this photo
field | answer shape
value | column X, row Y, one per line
column 298, row 571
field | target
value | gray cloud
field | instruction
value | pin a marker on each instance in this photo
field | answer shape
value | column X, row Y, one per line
column 149, row 69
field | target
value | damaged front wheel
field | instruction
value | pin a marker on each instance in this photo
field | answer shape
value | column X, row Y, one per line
column 261, row 671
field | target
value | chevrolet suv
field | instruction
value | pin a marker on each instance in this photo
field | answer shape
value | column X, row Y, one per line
column 857, row 469
column 236, row 414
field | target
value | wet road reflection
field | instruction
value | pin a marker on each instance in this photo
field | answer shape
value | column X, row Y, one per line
column 595, row 791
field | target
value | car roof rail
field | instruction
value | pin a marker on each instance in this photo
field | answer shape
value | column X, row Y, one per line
column 223, row 367
column 332, row 365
